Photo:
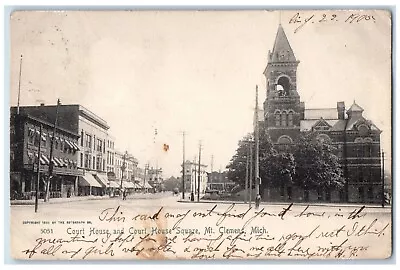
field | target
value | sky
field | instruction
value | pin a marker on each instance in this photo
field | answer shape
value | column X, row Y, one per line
column 196, row 71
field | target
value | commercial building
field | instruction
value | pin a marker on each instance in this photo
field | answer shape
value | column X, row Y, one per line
column 126, row 167
column 92, row 134
column 27, row 133
column 192, row 174
column 155, row 177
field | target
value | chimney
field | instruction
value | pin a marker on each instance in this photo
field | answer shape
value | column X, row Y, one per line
column 340, row 109
column 302, row 109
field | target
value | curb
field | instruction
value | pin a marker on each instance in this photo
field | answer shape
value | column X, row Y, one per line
column 61, row 201
column 287, row 203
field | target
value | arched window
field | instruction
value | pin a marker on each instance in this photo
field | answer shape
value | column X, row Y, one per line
column 284, row 84
column 323, row 138
column 277, row 119
column 363, row 130
column 284, row 139
column 290, row 119
column 284, row 119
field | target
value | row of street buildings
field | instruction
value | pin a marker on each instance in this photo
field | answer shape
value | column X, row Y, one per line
column 85, row 160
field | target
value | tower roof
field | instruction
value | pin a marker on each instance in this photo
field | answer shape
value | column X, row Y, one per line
column 355, row 108
column 282, row 52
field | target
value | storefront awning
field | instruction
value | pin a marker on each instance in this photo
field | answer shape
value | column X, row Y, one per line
column 113, row 184
column 146, row 185
column 69, row 144
column 76, row 147
column 43, row 161
column 88, row 180
column 57, row 162
column 128, row 185
column 135, row 185
column 102, row 179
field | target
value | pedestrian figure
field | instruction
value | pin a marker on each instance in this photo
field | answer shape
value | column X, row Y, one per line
column 69, row 193
column 124, row 194
column 258, row 200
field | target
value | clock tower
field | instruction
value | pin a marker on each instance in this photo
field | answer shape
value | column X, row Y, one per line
column 282, row 107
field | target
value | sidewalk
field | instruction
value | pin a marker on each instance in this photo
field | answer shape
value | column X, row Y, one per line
column 89, row 198
column 285, row 204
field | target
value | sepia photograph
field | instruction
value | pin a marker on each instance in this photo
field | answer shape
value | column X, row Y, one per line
column 200, row 134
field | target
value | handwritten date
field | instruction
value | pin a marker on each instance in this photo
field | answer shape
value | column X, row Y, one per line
column 301, row 20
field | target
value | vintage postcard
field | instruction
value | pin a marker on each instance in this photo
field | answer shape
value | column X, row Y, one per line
column 186, row 135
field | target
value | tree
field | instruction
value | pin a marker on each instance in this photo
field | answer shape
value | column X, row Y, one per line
column 275, row 167
column 171, row 183
column 237, row 165
column 308, row 163
column 317, row 166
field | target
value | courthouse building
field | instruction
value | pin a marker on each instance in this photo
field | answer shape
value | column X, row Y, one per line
column 356, row 138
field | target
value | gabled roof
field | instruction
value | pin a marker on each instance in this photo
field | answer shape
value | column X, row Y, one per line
column 336, row 125
column 340, row 125
column 352, row 122
column 282, row 52
column 322, row 122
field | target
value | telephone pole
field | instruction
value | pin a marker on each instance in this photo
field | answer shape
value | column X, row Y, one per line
column 51, row 164
column 247, row 173
column 199, row 174
column 212, row 163
column 146, row 168
column 183, row 165
column 256, row 135
column 251, row 174
column 383, row 179
column 193, row 181
column 123, row 167
column 38, row 171
column 19, row 83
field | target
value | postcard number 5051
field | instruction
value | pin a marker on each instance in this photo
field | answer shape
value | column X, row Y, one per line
column 46, row 231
